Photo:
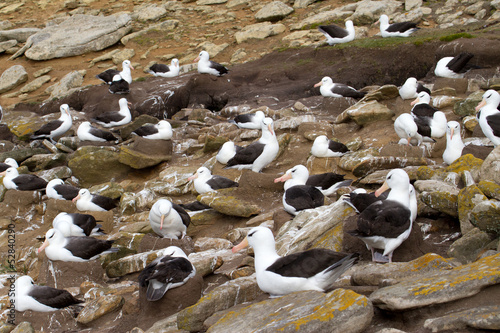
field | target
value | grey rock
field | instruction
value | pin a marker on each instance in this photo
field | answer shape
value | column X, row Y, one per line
column 150, row 13
column 12, row 77
column 442, row 201
column 20, row 35
column 210, row 2
column 330, row 15
column 338, row 311
column 373, row 274
column 485, row 215
column 66, row 39
column 309, row 228
column 490, row 169
column 364, row 113
column 483, row 317
column 273, row 11
column 144, row 153
column 302, row 3
column 412, row 4
column 468, row 247
column 35, row 84
column 167, row 25
column 99, row 307
column 69, row 83
column 434, row 186
column 225, row 202
column 349, row 161
column 4, row 46
column 220, row 298
column 467, row 106
column 24, row 327
column 441, row 287
column 259, row 31
column 468, row 198
column 368, row 11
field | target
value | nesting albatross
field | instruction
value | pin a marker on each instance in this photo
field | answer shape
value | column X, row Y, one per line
column 315, row 269
column 55, row 128
column 168, row 219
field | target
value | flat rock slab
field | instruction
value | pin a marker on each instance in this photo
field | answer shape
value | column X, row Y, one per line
column 485, row 317
column 441, row 287
column 78, row 35
column 307, row 311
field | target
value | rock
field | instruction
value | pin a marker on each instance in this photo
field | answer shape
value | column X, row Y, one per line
column 24, row 327
column 130, row 264
column 468, row 198
column 35, row 84
column 166, row 26
column 209, row 243
column 320, row 18
column 443, row 101
column 302, row 3
column 66, row 39
column 45, row 161
column 60, row 274
column 349, row 161
column 467, row 106
column 220, row 298
column 95, row 165
column 224, row 202
column 368, row 11
column 470, row 122
column 435, row 186
column 259, row 31
column 490, row 189
column 150, row 13
column 212, row 48
column 388, row 91
column 99, row 307
column 373, row 274
column 374, row 163
column 364, row 113
column 412, row 4
column 12, row 77
column 320, row 227
column 467, row 163
column 483, row 317
column 468, row 247
column 485, row 215
column 439, row 287
column 206, row 262
column 308, row 311
column 20, row 35
column 444, row 202
column 273, row 11
column 490, row 169
column 209, row 2
column 144, row 153
column 119, row 57
column 68, row 84
column 4, row 46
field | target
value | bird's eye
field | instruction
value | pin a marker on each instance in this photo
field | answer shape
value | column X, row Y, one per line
column 251, row 234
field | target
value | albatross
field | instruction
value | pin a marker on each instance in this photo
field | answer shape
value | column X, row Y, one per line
column 249, row 120
column 385, row 224
column 204, row 181
column 85, row 201
column 159, row 131
column 56, row 189
column 171, row 269
column 330, row 89
column 489, row 115
column 165, row 70
column 29, row 296
column 76, row 224
column 206, row 66
column 8, row 163
column 324, row 147
column 115, row 118
column 454, row 144
column 125, row 73
column 257, row 155
column 411, row 88
column 401, row 29
column 74, row 249
column 336, row 35
column 55, row 128
column 315, row 269
column 12, row 180
column 299, row 196
column 227, row 152
column 87, row 132
column 168, row 219
column 454, row 67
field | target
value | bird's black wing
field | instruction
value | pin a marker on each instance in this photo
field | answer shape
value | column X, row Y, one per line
column 304, row 197
column 306, row 264
column 68, row 192
column 55, row 298
column 119, row 87
column 106, row 135
column 146, row 130
column 494, row 122
column 421, row 87
column 423, row 126
column 48, row 127
column 107, row 75
column 221, row 69
column 401, row 27
column 247, row 155
column 324, row 180
column 108, row 117
column 386, row 218
column 218, row 182
column 85, row 221
column 27, row 182
column 186, row 219
column 87, row 247
column 337, row 146
column 423, row 110
column 347, row 91
column 159, row 68
column 458, row 63
column 333, row 31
